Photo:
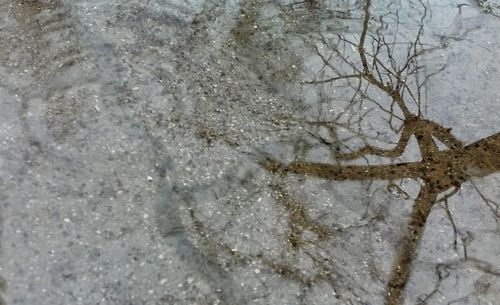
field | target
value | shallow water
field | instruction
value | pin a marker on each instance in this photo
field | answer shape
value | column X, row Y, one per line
column 249, row 152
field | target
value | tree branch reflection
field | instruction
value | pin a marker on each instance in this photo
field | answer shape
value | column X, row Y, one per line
column 376, row 65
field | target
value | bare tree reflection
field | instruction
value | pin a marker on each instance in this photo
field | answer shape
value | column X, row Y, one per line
column 373, row 62
column 376, row 70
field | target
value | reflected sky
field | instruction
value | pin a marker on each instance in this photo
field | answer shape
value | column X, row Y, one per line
column 249, row 152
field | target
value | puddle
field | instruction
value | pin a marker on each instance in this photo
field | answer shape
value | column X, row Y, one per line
column 380, row 61
column 250, row 152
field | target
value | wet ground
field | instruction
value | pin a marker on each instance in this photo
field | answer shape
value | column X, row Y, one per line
column 249, row 152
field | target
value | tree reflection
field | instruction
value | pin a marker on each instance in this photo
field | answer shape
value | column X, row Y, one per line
column 376, row 71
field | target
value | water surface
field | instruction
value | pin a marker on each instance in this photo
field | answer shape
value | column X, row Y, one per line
column 249, row 152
